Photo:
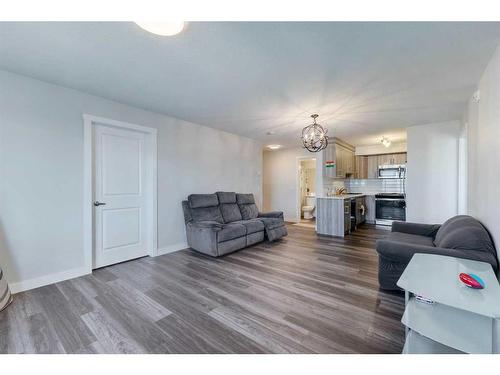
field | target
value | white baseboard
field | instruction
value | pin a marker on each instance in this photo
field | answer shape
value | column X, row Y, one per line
column 172, row 248
column 37, row 282
column 292, row 219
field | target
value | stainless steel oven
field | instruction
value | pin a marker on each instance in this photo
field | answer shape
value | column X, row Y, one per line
column 392, row 171
column 389, row 207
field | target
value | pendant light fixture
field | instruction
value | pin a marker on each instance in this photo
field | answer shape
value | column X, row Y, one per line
column 314, row 138
column 386, row 142
column 166, row 28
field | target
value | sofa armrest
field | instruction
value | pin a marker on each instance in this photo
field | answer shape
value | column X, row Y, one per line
column 275, row 214
column 207, row 224
column 402, row 252
column 428, row 230
column 202, row 236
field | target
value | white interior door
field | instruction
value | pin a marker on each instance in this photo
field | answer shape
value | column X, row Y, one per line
column 120, row 195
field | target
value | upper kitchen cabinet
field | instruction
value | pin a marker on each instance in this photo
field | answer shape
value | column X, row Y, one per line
column 400, row 158
column 373, row 161
column 338, row 159
column 385, row 159
column 391, row 159
column 361, row 167
column 372, row 166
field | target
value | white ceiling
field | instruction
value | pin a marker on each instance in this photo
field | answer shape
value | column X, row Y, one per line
column 364, row 79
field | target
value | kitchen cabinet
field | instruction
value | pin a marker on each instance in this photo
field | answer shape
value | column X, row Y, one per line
column 333, row 214
column 347, row 164
column 385, row 159
column 347, row 216
column 400, row 158
column 389, row 159
column 372, row 166
column 360, row 212
column 361, row 170
column 373, row 161
column 338, row 159
column 370, row 209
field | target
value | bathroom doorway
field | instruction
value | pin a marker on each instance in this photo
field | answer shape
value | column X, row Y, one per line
column 307, row 191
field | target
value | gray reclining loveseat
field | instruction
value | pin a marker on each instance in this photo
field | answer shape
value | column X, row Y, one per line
column 220, row 223
column 461, row 237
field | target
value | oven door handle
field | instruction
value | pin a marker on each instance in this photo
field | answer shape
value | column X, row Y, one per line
column 390, row 199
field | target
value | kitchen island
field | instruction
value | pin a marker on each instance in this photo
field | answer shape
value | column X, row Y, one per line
column 333, row 214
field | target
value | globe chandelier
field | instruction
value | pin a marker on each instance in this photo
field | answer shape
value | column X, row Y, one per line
column 314, row 138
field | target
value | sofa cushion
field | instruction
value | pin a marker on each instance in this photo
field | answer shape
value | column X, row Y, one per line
column 226, row 197
column 471, row 237
column 249, row 211
column 207, row 214
column 230, row 212
column 252, row 225
column 231, row 231
column 246, row 203
column 272, row 222
column 203, row 200
column 453, row 223
column 407, row 238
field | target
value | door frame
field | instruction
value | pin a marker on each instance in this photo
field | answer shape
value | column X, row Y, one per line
column 88, row 183
column 298, row 201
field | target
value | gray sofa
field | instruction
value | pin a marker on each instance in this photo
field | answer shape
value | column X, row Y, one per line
column 220, row 223
column 461, row 237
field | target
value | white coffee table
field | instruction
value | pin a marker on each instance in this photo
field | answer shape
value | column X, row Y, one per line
column 462, row 319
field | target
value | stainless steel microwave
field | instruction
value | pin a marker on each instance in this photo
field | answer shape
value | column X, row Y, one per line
column 392, row 171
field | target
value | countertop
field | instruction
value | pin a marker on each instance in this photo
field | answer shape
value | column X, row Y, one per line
column 351, row 195
column 343, row 196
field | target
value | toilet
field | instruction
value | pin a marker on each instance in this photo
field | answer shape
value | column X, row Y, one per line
column 308, row 209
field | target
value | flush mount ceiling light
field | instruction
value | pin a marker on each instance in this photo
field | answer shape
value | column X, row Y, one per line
column 273, row 147
column 166, row 28
column 385, row 142
column 314, row 138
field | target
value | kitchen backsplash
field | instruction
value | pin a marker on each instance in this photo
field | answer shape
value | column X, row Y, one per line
column 375, row 185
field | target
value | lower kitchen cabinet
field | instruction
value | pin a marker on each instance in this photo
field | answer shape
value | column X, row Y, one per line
column 370, row 209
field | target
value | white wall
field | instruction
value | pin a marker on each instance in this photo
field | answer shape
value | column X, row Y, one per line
column 483, row 125
column 432, row 172
column 483, row 154
column 41, row 174
column 381, row 149
column 280, row 180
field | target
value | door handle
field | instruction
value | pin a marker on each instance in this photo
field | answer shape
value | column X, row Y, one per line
column 96, row 203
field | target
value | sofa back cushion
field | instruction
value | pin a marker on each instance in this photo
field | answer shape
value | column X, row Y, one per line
column 203, row 200
column 207, row 214
column 248, row 208
column 226, row 197
column 230, row 212
column 228, row 207
column 205, row 207
column 464, row 233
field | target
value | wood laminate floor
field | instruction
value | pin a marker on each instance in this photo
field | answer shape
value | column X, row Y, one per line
column 304, row 294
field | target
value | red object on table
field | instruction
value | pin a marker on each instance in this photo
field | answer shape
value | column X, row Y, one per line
column 470, row 281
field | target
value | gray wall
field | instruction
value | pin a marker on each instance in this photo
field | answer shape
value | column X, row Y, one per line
column 41, row 172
